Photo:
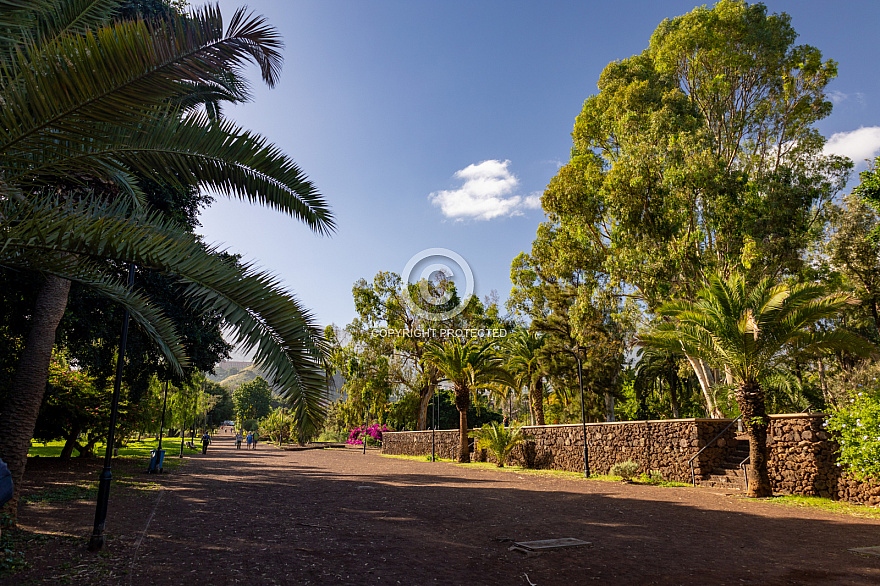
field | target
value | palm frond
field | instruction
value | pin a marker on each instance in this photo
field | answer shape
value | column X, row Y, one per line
column 746, row 330
column 150, row 318
column 287, row 343
column 120, row 71
column 216, row 155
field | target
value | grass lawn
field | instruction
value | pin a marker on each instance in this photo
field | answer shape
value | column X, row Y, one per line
column 133, row 449
column 825, row 504
column 135, row 454
column 557, row 473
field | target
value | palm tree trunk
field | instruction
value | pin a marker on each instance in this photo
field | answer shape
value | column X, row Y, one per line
column 19, row 416
column 464, row 454
column 538, row 401
column 462, row 402
column 750, row 397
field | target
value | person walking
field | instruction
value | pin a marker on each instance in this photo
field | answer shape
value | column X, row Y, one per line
column 256, row 435
column 249, row 440
column 238, row 439
column 206, row 439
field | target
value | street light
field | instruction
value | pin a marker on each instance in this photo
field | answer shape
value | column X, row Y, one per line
column 583, row 415
column 366, row 423
column 434, row 429
column 182, row 430
column 162, row 424
column 96, row 542
column 281, row 431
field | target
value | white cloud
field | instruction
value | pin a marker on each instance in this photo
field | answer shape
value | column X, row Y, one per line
column 839, row 97
column 485, row 194
column 858, row 145
column 533, row 202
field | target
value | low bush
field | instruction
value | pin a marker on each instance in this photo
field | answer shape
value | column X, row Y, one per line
column 651, row 477
column 625, row 470
column 332, row 436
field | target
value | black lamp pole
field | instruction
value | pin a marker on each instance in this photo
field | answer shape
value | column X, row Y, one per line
column 182, row 433
column 366, row 423
column 583, row 416
column 162, row 424
column 96, row 542
column 434, row 429
column 281, row 431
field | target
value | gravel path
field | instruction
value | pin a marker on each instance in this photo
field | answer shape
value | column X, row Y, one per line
column 341, row 517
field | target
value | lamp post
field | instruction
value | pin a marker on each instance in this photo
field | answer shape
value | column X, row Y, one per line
column 281, row 431
column 434, row 429
column 96, row 542
column 162, row 423
column 182, row 434
column 366, row 423
column 583, row 415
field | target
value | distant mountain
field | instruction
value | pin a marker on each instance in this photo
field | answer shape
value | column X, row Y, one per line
column 228, row 368
column 231, row 375
column 235, row 378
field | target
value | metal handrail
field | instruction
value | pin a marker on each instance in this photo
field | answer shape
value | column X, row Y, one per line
column 694, row 457
column 742, row 466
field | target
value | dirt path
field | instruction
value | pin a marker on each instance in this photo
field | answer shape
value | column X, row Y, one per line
column 341, row 517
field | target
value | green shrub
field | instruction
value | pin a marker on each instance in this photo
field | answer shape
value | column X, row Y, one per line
column 651, row 477
column 331, row 436
column 251, row 425
column 856, row 427
column 625, row 470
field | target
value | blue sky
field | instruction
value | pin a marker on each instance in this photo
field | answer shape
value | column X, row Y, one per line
column 431, row 124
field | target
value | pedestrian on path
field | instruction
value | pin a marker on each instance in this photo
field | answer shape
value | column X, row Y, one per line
column 250, row 439
column 256, row 435
column 206, row 439
column 238, row 439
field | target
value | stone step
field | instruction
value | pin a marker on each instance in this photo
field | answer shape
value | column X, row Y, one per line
column 722, row 485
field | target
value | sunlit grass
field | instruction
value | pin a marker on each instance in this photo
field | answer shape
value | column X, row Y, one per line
column 134, row 452
column 540, row 472
column 825, row 504
column 132, row 449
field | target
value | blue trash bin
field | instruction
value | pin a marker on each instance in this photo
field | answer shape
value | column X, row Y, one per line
column 157, row 457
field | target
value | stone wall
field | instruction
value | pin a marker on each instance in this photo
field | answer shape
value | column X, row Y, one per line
column 418, row 443
column 802, row 455
column 656, row 445
column 803, row 461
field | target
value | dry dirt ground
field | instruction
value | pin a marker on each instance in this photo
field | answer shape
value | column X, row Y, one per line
column 342, row 517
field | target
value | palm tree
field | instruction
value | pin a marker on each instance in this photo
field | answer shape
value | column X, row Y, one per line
column 499, row 440
column 657, row 365
column 470, row 367
column 87, row 105
column 747, row 331
column 523, row 349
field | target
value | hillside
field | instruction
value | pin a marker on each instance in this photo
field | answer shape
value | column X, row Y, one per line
column 245, row 375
